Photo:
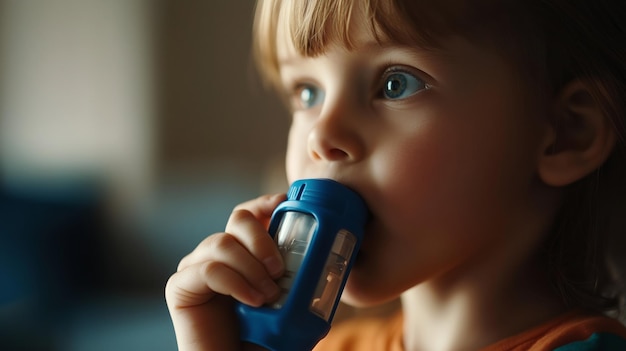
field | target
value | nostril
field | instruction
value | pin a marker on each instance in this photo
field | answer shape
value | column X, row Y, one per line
column 315, row 156
column 337, row 154
column 330, row 155
column 329, row 142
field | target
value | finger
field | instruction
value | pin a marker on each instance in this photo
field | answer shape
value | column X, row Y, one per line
column 197, row 326
column 255, row 238
column 262, row 207
column 226, row 248
column 199, row 283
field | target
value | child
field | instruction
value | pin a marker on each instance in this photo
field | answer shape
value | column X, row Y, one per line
column 487, row 138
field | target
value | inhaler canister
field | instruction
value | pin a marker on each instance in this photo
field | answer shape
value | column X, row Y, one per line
column 318, row 230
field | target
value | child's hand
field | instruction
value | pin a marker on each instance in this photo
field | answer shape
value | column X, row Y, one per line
column 239, row 264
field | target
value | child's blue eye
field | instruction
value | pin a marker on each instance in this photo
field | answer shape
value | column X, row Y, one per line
column 400, row 85
column 309, row 96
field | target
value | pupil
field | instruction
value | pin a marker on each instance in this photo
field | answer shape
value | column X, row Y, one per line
column 396, row 85
column 306, row 95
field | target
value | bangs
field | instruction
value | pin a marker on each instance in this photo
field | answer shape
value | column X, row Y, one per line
column 311, row 26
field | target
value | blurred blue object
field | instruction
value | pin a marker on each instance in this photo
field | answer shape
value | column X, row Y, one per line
column 48, row 240
column 49, row 254
column 65, row 284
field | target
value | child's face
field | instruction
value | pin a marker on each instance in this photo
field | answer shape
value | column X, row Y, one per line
column 441, row 145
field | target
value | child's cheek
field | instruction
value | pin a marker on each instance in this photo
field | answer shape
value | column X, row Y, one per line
column 296, row 156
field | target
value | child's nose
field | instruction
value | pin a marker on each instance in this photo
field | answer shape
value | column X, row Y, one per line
column 335, row 138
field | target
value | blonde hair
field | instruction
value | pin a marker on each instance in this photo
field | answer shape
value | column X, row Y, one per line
column 312, row 25
column 308, row 24
column 554, row 42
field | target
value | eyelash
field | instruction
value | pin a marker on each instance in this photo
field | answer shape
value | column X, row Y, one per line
column 295, row 94
column 417, row 83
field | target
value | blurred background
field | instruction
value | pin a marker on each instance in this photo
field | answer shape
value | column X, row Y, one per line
column 128, row 131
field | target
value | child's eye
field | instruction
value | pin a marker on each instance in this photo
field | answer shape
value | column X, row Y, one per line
column 400, row 85
column 307, row 96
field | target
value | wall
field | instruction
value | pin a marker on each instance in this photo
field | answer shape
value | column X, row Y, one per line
column 128, row 131
column 211, row 106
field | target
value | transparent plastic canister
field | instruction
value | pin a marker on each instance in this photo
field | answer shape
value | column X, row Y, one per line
column 318, row 231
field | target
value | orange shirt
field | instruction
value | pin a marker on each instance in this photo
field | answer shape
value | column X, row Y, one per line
column 386, row 334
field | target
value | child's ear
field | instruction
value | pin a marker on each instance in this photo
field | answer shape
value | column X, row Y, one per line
column 580, row 138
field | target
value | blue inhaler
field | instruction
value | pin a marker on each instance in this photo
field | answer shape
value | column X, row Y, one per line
column 318, row 230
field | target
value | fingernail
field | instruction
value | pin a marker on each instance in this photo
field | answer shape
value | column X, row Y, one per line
column 274, row 266
column 269, row 288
